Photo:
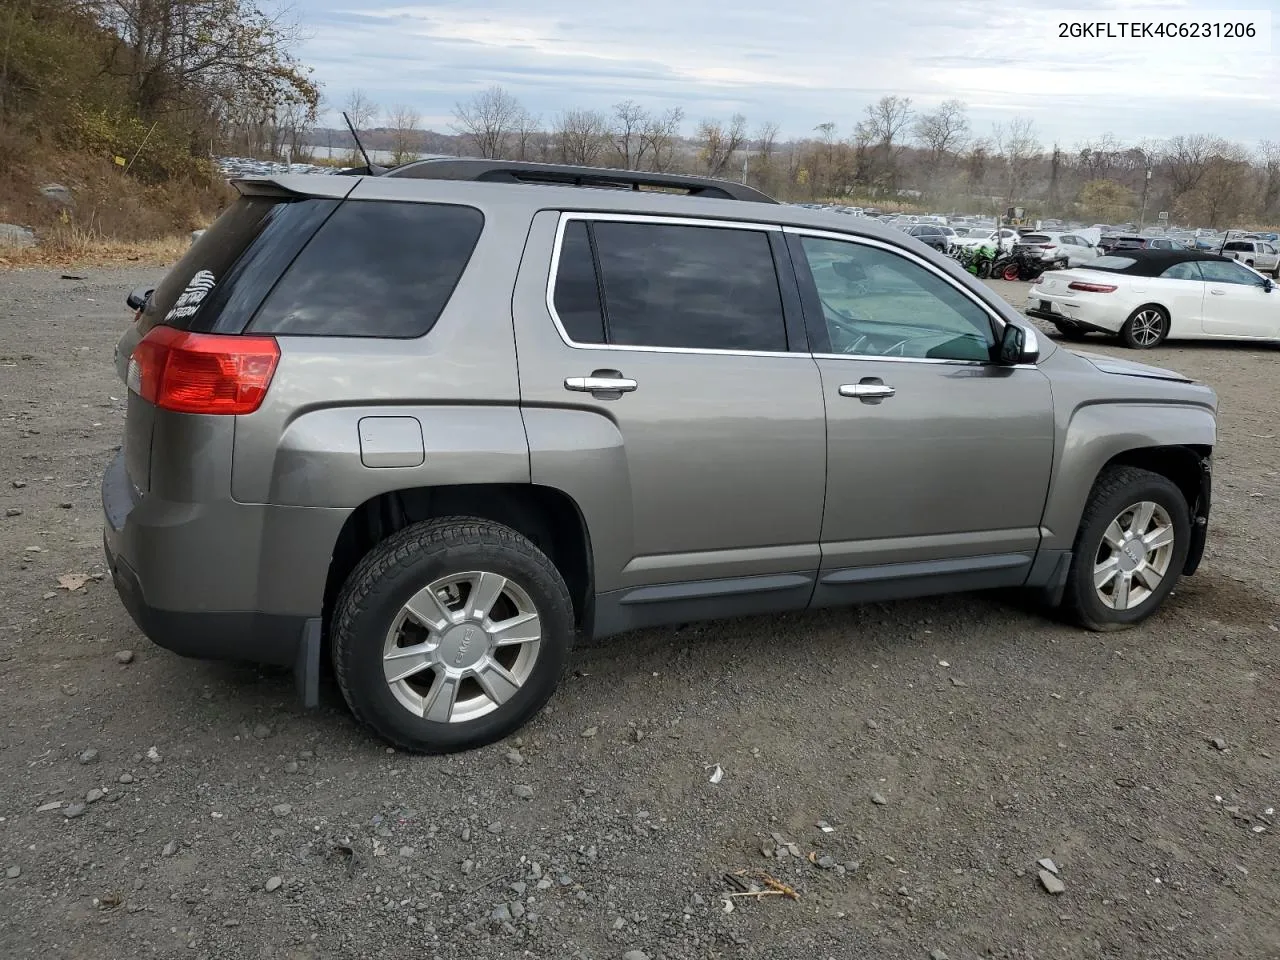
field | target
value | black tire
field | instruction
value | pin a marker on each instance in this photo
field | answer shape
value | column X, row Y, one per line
column 1116, row 489
column 393, row 572
column 1136, row 330
column 1070, row 332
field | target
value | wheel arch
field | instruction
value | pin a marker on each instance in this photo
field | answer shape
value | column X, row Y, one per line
column 547, row 516
column 1174, row 440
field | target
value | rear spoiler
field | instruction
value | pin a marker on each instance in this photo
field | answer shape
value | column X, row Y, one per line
column 288, row 185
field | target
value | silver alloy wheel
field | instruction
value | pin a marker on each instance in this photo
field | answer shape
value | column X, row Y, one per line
column 462, row 646
column 1134, row 556
column 1148, row 327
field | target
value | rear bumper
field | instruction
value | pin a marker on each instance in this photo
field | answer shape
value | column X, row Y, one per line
column 218, row 580
column 254, row 637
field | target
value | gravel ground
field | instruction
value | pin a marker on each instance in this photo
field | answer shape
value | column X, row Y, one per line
column 156, row 806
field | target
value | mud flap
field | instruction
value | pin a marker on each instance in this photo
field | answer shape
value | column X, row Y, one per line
column 306, row 664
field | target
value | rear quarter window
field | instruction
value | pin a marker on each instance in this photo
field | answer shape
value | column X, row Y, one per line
column 224, row 275
column 375, row 269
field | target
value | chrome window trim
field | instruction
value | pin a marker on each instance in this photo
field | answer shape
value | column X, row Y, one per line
column 567, row 216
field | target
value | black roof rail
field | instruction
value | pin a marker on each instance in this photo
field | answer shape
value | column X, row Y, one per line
column 517, row 171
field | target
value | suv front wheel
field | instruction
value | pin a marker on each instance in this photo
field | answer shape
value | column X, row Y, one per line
column 451, row 634
column 1129, row 551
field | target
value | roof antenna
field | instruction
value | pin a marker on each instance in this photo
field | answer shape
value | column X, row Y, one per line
column 370, row 166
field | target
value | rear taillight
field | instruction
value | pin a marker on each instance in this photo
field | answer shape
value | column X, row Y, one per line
column 1048, row 246
column 203, row 372
column 1086, row 287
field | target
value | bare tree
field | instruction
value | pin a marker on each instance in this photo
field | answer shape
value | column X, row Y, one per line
column 626, row 133
column 487, row 120
column 528, row 128
column 658, row 140
column 362, row 112
column 942, row 131
column 1018, row 147
column 1221, row 193
column 719, row 143
column 1269, row 163
column 405, row 136
column 1187, row 158
column 880, row 132
column 580, row 136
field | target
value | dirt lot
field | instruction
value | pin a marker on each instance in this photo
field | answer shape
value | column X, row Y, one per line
column 197, row 812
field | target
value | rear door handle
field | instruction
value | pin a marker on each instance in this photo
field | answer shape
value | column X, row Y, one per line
column 598, row 384
column 867, row 390
column 1218, row 293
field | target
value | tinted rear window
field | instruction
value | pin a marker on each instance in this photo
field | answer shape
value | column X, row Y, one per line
column 254, row 232
column 375, row 269
column 703, row 288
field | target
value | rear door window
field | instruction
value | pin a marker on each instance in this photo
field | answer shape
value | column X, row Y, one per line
column 376, row 269
column 675, row 286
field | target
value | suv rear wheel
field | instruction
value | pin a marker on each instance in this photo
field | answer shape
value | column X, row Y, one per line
column 1129, row 551
column 451, row 634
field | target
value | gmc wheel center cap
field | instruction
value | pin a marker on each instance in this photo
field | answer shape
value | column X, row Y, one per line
column 463, row 646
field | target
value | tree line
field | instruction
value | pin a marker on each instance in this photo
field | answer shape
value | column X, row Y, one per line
column 894, row 154
column 162, row 86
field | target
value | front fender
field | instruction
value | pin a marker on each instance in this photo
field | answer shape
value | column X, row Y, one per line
column 1098, row 433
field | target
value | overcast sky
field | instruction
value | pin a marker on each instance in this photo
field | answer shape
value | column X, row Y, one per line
column 804, row 63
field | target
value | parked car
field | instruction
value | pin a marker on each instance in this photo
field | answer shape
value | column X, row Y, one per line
column 1117, row 242
column 1259, row 254
column 1060, row 249
column 938, row 237
column 1147, row 296
column 1005, row 238
column 722, row 406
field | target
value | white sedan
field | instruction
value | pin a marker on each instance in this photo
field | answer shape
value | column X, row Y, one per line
column 1146, row 296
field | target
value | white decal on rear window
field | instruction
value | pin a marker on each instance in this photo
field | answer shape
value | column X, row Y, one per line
column 197, row 289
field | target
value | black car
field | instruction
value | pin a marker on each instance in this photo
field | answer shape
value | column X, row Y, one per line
column 935, row 236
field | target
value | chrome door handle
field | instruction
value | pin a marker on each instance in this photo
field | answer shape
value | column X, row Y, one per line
column 1218, row 293
column 867, row 391
column 600, row 384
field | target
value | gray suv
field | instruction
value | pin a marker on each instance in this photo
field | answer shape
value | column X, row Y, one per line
column 435, row 424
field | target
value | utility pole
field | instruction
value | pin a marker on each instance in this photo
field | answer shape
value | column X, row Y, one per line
column 745, row 158
column 1146, row 184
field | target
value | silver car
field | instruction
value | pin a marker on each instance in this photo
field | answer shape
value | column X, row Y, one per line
column 430, row 427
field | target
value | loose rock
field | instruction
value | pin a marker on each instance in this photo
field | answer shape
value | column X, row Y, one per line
column 1218, row 743
column 938, row 955
column 89, row 756
column 71, row 811
column 169, row 849
column 495, row 827
column 126, row 778
column 153, row 755
column 501, row 914
column 274, row 884
column 94, row 795
column 13, row 873
column 515, row 757
column 1044, row 863
column 590, row 732
column 262, row 731
column 291, row 766
column 282, row 809
column 523, row 791
column 12, row 512
column 878, row 799
column 1051, row 883
column 635, row 955
column 124, row 656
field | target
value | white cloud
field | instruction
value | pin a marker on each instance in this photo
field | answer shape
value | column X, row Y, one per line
column 799, row 66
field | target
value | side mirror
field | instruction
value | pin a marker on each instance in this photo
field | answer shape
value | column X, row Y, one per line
column 1267, row 284
column 1017, row 345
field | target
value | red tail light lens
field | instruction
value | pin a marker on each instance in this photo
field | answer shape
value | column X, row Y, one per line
column 203, row 372
column 1087, row 287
